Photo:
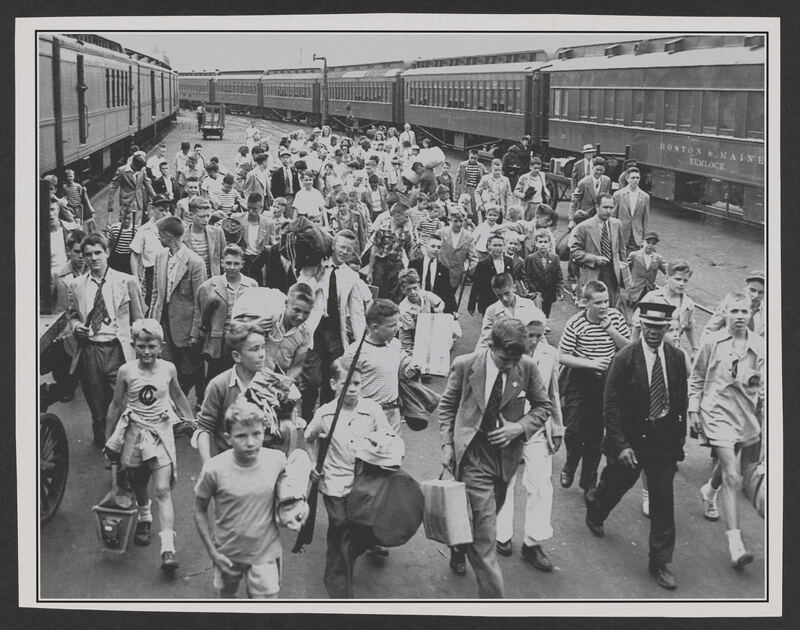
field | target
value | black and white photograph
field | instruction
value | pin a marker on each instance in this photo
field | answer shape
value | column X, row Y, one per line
column 325, row 309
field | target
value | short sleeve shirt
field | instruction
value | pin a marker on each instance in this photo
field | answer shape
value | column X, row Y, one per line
column 584, row 339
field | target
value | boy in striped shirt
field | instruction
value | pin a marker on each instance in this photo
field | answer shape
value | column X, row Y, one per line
column 589, row 341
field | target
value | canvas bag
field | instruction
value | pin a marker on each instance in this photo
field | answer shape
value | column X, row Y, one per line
column 448, row 517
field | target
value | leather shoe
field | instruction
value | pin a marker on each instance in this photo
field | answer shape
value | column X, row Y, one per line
column 168, row 563
column 458, row 564
column 504, row 548
column 664, row 577
column 536, row 556
column 567, row 477
column 596, row 527
column 142, row 535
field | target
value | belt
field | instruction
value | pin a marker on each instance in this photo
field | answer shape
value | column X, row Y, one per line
column 394, row 404
column 110, row 342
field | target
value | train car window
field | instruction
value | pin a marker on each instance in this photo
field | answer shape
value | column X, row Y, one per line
column 583, row 107
column 622, row 101
column 83, row 118
column 710, row 120
column 152, row 93
column 162, row 93
column 108, row 88
column 650, row 108
column 670, row 109
column 493, row 96
column 637, row 114
column 727, row 113
column 687, row 110
column 462, row 103
column 608, row 106
column 128, row 94
column 555, row 99
column 755, row 115
column 594, row 99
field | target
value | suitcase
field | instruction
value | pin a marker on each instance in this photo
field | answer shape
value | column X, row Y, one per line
column 447, row 518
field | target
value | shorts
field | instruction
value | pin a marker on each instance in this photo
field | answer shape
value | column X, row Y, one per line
column 260, row 580
column 142, row 448
column 736, row 446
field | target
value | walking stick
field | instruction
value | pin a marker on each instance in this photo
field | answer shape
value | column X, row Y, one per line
column 306, row 533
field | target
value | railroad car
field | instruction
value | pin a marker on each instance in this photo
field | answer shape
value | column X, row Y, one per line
column 369, row 93
column 239, row 91
column 97, row 99
column 196, row 88
column 469, row 105
column 479, row 60
column 291, row 94
column 691, row 109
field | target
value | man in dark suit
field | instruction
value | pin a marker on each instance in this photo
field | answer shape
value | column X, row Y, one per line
column 645, row 416
column 434, row 275
column 497, row 263
column 483, row 427
column 588, row 190
column 166, row 185
column 583, row 167
column 284, row 181
column 179, row 272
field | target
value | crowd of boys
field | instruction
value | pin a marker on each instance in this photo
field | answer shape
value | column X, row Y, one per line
column 192, row 289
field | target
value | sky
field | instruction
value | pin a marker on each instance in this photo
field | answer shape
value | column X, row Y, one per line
column 263, row 51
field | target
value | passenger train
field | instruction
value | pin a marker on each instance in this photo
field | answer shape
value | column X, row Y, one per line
column 689, row 110
column 96, row 100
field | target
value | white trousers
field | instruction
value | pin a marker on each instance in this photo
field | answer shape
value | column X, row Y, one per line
column 539, row 503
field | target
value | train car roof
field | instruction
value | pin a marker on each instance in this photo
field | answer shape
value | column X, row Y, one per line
column 293, row 76
column 253, row 75
column 725, row 56
column 361, row 74
column 487, row 68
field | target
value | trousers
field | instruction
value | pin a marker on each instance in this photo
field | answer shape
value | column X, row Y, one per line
column 186, row 359
column 99, row 366
column 345, row 545
column 316, row 375
column 481, row 470
column 617, row 479
column 539, row 501
column 583, row 419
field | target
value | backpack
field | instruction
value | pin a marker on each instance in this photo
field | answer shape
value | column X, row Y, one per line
column 303, row 243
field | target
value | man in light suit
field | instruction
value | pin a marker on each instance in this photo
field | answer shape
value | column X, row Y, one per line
column 588, row 190
column 135, row 189
column 458, row 248
column 434, row 275
column 644, row 265
column 257, row 231
column 101, row 325
column 583, row 167
column 179, row 272
column 495, row 188
column 483, row 426
column 207, row 241
column 600, row 259
column 258, row 180
column 645, row 402
column 632, row 208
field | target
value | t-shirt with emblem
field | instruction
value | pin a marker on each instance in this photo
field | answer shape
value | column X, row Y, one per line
column 148, row 391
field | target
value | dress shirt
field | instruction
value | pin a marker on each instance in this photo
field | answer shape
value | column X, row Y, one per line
column 491, row 376
column 649, row 359
column 106, row 332
column 499, row 265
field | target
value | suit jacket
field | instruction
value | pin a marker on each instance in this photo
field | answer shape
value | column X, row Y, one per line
column 441, row 283
column 128, row 305
column 59, row 288
column 184, row 318
column 213, row 305
column 277, row 183
column 627, row 402
column 634, row 220
column 366, row 199
column 134, row 188
column 215, row 238
column 579, row 171
column 461, row 178
column 586, row 247
column 165, row 185
column 484, row 193
column 454, row 257
column 643, row 279
column 266, row 226
column 351, row 305
column 481, row 293
column 463, row 404
column 547, row 281
column 524, row 309
column 258, row 181
column 584, row 196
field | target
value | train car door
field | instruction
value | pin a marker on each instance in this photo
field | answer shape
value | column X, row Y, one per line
column 129, row 87
column 83, row 109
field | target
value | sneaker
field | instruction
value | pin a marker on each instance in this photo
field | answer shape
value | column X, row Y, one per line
column 740, row 556
column 168, row 563
column 142, row 535
column 709, row 499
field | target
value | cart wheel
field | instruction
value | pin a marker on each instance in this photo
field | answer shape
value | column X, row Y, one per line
column 53, row 464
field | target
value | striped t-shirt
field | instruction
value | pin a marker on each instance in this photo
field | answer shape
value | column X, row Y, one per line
column 379, row 367
column 473, row 174
column 200, row 247
column 122, row 237
column 581, row 338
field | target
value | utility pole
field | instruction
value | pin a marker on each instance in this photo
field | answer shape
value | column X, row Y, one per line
column 324, row 96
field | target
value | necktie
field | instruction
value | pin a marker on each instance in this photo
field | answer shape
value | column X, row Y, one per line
column 288, row 181
column 597, row 186
column 333, row 301
column 658, row 391
column 605, row 241
column 491, row 417
column 99, row 313
column 428, row 271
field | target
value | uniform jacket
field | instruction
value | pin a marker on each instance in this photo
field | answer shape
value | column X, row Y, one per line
column 441, row 283
column 213, row 305
column 481, row 293
column 266, row 226
column 461, row 178
column 643, row 279
column 184, row 318
column 584, row 196
column 454, row 257
column 586, row 247
column 277, row 182
column 547, row 281
column 215, row 238
column 634, row 220
column 128, row 305
column 464, row 402
column 134, row 188
column 627, row 402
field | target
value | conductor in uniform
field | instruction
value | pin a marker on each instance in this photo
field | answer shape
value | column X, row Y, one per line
column 646, row 397
column 483, row 426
